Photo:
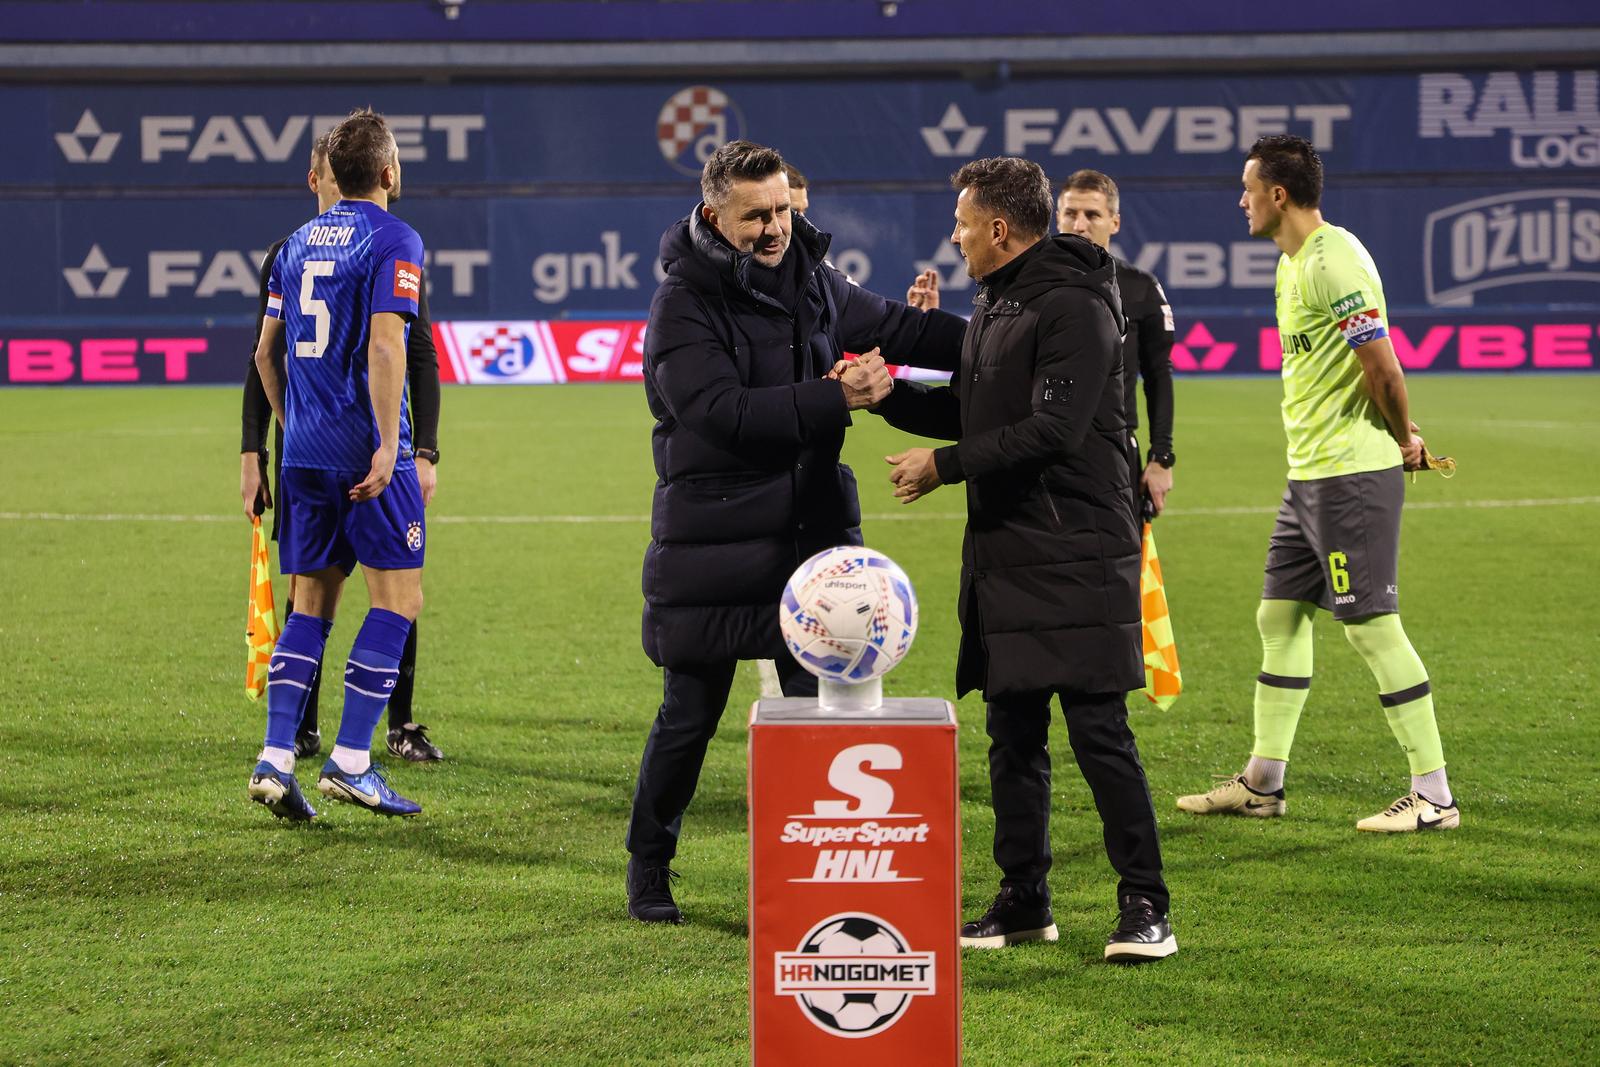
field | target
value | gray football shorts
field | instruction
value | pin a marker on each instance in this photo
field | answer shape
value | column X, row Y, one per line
column 1337, row 544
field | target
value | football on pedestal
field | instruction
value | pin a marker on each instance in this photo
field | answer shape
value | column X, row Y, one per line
column 849, row 615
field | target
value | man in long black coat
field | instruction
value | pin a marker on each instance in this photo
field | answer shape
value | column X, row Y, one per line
column 743, row 335
column 1050, row 564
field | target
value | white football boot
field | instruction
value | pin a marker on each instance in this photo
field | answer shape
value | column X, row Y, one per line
column 1410, row 813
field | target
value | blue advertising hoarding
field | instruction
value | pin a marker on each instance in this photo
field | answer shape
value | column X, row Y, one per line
column 146, row 210
column 901, row 131
column 197, row 258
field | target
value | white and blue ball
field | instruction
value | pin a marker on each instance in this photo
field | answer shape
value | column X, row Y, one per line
column 848, row 614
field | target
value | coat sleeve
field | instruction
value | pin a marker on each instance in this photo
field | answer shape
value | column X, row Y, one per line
column 422, row 370
column 1077, row 346
column 923, row 409
column 907, row 336
column 696, row 379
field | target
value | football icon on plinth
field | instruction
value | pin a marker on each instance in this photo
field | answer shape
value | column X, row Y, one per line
column 849, row 615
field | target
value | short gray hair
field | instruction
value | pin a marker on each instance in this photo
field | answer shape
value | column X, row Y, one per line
column 1015, row 189
column 743, row 161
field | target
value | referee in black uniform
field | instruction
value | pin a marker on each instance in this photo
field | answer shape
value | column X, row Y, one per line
column 407, row 739
column 1090, row 207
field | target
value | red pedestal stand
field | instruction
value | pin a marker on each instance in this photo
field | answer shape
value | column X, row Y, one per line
column 855, row 885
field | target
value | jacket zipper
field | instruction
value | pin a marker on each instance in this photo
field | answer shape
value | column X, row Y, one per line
column 1050, row 502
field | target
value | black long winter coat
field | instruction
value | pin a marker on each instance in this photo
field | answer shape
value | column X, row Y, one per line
column 1050, row 562
column 748, row 432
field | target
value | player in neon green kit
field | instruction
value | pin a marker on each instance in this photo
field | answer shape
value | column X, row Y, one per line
column 1337, row 540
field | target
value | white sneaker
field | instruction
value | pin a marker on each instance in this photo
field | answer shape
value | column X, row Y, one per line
column 1410, row 813
column 1233, row 796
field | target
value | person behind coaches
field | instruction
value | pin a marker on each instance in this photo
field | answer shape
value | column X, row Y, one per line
column 1089, row 206
column 1049, row 601
column 743, row 336
column 799, row 189
column 406, row 739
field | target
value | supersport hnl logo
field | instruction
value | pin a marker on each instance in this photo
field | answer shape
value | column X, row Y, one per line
column 867, row 821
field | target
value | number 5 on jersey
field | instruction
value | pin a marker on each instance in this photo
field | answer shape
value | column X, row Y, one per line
column 311, row 307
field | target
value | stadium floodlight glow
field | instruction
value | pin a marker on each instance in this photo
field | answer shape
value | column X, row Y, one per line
column 848, row 615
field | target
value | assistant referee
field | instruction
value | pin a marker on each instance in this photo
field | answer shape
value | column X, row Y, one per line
column 1090, row 206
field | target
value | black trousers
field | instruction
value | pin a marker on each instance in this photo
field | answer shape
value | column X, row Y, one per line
column 1019, row 780
column 691, row 707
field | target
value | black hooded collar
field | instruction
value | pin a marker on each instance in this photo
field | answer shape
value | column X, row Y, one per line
column 1063, row 260
column 693, row 250
column 998, row 281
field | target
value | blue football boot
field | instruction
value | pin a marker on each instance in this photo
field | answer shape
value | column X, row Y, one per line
column 369, row 790
column 279, row 793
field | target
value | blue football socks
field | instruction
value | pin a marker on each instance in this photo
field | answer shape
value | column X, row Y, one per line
column 369, row 679
column 295, row 662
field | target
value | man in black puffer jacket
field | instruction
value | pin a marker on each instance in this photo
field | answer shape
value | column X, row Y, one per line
column 743, row 335
column 1050, row 565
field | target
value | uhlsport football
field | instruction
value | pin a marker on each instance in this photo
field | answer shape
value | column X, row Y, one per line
column 849, row 614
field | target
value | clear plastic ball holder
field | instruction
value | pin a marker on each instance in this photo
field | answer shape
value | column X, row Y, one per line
column 863, row 699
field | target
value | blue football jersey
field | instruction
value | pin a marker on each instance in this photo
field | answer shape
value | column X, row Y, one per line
column 331, row 276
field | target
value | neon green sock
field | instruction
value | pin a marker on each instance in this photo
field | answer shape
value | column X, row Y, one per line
column 1285, row 679
column 1403, row 688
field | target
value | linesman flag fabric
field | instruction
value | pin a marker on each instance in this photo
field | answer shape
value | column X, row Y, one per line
column 261, row 626
column 1162, row 680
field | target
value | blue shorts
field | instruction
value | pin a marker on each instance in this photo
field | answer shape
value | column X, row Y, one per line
column 322, row 527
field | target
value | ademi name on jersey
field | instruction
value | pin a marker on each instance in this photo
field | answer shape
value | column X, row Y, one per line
column 331, row 235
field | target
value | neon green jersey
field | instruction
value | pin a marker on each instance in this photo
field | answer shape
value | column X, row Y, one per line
column 1330, row 302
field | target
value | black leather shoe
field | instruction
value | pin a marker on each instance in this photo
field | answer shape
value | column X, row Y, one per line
column 410, row 742
column 1012, row 918
column 307, row 744
column 650, row 893
column 1142, row 935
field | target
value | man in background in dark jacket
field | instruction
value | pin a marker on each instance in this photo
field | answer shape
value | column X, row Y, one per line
column 1050, row 563
column 743, row 335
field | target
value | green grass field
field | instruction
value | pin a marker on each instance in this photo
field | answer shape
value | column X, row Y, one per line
column 150, row 914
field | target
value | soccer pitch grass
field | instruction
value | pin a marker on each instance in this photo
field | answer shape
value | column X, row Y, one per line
column 150, row 914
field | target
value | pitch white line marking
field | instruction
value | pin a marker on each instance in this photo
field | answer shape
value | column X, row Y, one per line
column 894, row 516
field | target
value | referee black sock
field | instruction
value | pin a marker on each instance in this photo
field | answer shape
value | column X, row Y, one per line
column 405, row 684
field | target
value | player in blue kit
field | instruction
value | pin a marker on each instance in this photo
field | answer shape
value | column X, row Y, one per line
column 345, row 289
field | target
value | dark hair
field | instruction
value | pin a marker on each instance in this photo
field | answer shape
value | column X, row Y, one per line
column 1291, row 162
column 743, row 161
column 1092, row 181
column 358, row 150
column 1016, row 189
column 319, row 150
column 796, row 179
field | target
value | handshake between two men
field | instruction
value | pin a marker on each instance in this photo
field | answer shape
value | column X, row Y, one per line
column 866, row 380
column 868, row 383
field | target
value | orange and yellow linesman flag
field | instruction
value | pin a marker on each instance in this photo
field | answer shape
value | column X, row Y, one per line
column 1162, row 680
column 261, row 626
